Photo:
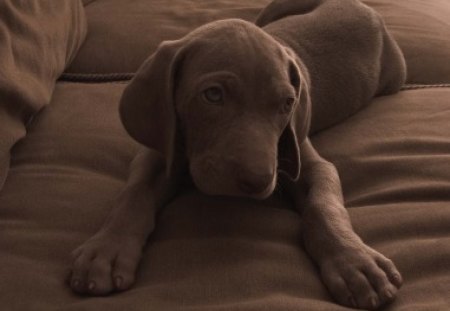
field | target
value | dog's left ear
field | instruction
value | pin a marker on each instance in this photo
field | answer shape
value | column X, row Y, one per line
column 298, row 127
column 147, row 105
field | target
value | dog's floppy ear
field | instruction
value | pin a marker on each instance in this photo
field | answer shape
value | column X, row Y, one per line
column 298, row 127
column 147, row 108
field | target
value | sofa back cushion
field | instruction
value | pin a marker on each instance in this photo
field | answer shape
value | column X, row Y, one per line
column 123, row 34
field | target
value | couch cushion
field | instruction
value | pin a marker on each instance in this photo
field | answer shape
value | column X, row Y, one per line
column 122, row 34
column 86, row 2
column 422, row 29
column 38, row 39
column 396, row 149
column 212, row 253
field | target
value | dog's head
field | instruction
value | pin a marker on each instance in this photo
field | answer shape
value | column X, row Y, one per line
column 239, row 98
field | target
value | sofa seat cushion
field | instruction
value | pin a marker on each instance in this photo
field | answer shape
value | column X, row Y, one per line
column 212, row 253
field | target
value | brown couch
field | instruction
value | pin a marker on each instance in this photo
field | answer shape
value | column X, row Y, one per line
column 64, row 156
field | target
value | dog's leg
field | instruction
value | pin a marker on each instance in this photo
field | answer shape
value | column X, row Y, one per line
column 355, row 274
column 108, row 260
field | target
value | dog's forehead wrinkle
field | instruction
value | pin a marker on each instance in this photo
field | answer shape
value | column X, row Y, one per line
column 217, row 54
column 220, row 39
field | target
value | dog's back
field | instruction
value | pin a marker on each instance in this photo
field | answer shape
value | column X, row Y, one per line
column 346, row 49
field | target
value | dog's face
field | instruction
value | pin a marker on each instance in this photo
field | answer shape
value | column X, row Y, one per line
column 235, row 95
column 235, row 92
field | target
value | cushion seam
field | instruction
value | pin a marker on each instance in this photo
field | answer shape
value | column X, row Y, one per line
column 126, row 76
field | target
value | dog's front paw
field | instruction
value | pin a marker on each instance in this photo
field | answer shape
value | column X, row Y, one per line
column 105, row 263
column 360, row 277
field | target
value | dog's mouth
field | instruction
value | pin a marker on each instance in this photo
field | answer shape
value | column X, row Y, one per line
column 225, row 191
column 214, row 175
column 261, row 195
column 259, row 189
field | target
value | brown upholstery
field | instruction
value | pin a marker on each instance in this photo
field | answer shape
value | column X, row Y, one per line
column 120, row 40
column 213, row 253
column 38, row 39
column 233, row 254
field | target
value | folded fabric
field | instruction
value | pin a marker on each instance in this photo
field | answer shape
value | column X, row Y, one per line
column 38, row 39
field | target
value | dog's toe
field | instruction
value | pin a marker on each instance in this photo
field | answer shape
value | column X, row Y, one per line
column 80, row 268
column 99, row 280
column 125, row 267
column 385, row 286
column 362, row 291
column 390, row 270
column 338, row 287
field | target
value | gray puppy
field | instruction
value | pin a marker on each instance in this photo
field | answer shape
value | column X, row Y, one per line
column 241, row 99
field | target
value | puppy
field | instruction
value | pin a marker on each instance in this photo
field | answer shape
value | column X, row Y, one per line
column 232, row 104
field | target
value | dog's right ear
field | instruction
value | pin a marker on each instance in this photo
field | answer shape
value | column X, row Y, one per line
column 147, row 105
column 299, row 125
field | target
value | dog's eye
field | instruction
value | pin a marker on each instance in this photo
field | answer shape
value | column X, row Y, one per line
column 213, row 95
column 288, row 105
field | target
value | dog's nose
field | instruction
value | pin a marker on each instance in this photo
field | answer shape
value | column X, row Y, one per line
column 253, row 183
